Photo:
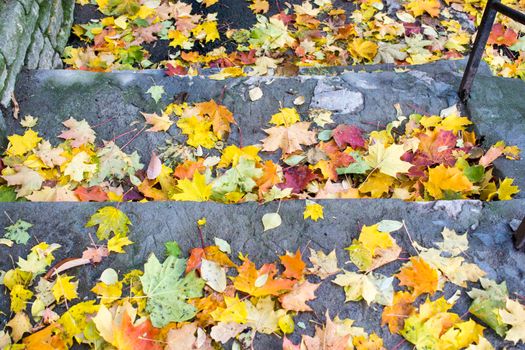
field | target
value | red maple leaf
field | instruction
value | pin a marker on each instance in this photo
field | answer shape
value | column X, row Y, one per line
column 172, row 70
column 91, row 194
column 348, row 135
column 502, row 36
column 297, row 178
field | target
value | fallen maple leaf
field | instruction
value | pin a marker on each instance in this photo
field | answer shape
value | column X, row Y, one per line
column 159, row 123
column 289, row 139
column 80, row 133
column 419, row 276
column 295, row 300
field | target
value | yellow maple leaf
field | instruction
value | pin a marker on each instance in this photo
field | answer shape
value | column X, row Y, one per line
column 198, row 131
column 377, row 184
column 116, row 243
column 21, row 144
column 208, row 30
column 109, row 219
column 362, row 50
column 442, row 179
column 461, row 335
column 194, row 190
column 177, row 38
column 372, row 238
column 232, row 154
column 505, row 190
column 19, row 296
column 259, row 6
column 419, row 7
column 313, row 210
column 235, row 311
column 159, row 123
column 80, row 168
column 387, row 159
column 64, row 289
column 109, row 293
column 454, row 123
column 228, row 72
column 286, row 117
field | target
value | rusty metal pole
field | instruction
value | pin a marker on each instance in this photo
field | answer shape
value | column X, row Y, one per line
column 484, row 29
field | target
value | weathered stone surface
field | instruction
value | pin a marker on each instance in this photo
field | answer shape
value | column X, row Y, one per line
column 33, row 53
column 155, row 223
column 12, row 20
column 45, row 59
column 32, row 32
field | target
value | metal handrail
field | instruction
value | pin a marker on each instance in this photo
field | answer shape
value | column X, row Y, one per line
column 484, row 29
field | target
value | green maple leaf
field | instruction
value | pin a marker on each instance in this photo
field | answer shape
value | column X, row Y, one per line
column 121, row 7
column 18, row 232
column 487, row 302
column 109, row 219
column 7, row 194
column 156, row 92
column 357, row 167
column 114, row 163
column 167, row 290
column 238, row 179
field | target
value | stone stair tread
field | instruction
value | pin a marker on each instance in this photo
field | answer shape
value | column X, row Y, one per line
column 154, row 223
column 115, row 100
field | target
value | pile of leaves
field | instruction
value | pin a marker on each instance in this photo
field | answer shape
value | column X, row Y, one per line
column 311, row 34
column 206, row 300
column 414, row 158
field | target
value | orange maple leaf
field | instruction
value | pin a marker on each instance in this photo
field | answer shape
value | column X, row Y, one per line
column 188, row 168
column 395, row 314
column 49, row 338
column 211, row 253
column 220, row 117
column 419, row 276
column 294, row 265
column 269, row 178
column 260, row 282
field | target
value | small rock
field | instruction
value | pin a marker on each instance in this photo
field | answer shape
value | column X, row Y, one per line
column 339, row 100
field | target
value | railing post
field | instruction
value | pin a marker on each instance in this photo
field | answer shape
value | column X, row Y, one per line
column 485, row 27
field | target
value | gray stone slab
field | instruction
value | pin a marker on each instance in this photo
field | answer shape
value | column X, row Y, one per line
column 154, row 223
column 113, row 101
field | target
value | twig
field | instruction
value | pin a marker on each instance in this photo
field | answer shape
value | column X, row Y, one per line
column 409, row 236
column 134, row 137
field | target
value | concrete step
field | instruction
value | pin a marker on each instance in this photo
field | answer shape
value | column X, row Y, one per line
column 155, row 223
column 113, row 101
